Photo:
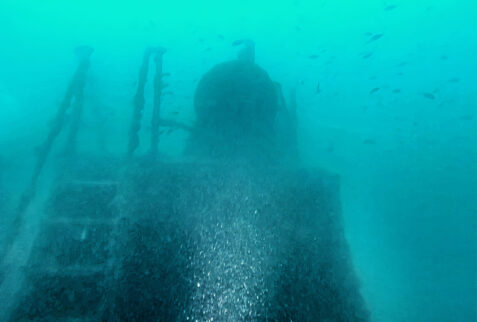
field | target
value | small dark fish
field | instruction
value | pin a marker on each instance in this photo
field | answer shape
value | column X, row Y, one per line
column 318, row 90
column 390, row 7
column 444, row 57
column 396, row 91
column 367, row 55
column 375, row 37
column 168, row 93
column 467, row 117
column 368, row 34
column 429, row 96
column 175, row 112
column 313, row 56
column 302, row 82
column 207, row 49
column 330, row 149
column 369, row 141
column 374, row 90
column 170, row 130
column 237, row 42
column 221, row 37
column 166, row 74
column 454, row 80
column 297, row 28
column 402, row 64
column 84, row 51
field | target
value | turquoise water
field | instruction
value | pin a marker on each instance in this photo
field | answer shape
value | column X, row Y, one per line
column 386, row 98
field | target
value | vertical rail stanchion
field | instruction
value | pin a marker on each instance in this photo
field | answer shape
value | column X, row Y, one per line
column 156, row 117
column 77, row 81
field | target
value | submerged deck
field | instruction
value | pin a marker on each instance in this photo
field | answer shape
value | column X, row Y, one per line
column 190, row 241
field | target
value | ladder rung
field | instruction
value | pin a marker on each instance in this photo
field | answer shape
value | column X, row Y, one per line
column 93, row 183
column 86, row 221
column 75, row 270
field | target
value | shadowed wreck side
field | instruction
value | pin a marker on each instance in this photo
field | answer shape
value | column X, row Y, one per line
column 237, row 232
column 236, row 244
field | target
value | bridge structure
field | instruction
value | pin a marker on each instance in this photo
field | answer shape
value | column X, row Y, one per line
column 237, row 230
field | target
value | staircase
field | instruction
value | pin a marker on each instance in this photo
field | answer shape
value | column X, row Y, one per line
column 190, row 241
column 71, row 263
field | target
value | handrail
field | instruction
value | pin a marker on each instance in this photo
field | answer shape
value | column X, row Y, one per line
column 158, row 86
column 73, row 90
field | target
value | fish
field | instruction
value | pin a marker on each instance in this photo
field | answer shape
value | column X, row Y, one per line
column 454, row 80
column 318, row 90
column 390, row 7
column 429, row 96
column 375, row 37
column 238, row 42
column 369, row 141
column 374, row 90
column 396, row 91
column 467, row 117
column 367, row 55
column 221, row 37
column 84, row 51
column 313, row 56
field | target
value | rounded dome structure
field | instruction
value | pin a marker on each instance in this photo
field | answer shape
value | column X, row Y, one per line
column 236, row 106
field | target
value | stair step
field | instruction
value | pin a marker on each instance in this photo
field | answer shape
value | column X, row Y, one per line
column 93, row 183
column 80, row 221
column 73, row 244
column 73, row 270
column 81, row 199
column 61, row 297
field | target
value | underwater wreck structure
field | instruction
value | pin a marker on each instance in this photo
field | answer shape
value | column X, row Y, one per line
column 236, row 231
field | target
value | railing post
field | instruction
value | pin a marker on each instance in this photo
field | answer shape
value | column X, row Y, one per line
column 77, row 81
column 156, row 117
column 138, row 104
column 77, row 105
